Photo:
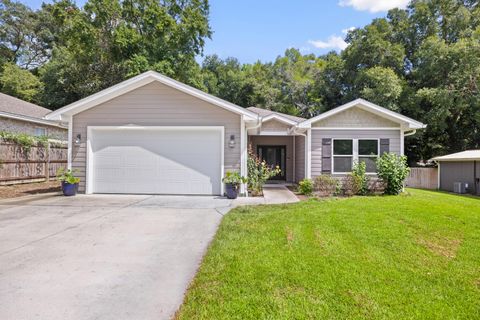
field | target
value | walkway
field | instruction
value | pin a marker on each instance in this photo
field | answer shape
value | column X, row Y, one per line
column 275, row 194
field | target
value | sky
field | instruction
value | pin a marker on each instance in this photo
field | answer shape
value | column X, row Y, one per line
column 252, row 30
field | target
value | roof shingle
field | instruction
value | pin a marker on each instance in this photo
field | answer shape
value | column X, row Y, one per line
column 13, row 105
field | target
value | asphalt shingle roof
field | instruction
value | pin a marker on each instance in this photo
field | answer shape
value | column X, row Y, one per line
column 13, row 105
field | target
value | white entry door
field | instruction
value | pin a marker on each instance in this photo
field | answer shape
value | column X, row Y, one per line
column 155, row 160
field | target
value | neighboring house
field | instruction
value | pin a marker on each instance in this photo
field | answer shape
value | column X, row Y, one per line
column 19, row 116
column 459, row 172
column 152, row 134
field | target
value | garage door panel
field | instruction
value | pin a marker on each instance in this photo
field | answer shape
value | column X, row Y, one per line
column 157, row 161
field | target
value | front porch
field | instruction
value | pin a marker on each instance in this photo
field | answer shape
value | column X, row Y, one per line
column 284, row 151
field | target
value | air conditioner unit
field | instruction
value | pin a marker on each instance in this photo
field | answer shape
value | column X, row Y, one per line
column 460, row 187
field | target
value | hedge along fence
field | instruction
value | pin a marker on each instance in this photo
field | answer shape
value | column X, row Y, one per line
column 26, row 159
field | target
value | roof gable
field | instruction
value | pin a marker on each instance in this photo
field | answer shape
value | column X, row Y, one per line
column 405, row 122
column 355, row 117
column 137, row 82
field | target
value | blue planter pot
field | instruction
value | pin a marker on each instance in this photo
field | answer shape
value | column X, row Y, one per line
column 231, row 190
column 69, row 189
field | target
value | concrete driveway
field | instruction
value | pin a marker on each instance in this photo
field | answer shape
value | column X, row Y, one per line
column 102, row 257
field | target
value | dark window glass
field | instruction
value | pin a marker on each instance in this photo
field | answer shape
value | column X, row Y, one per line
column 342, row 164
column 368, row 147
column 371, row 165
column 342, row 147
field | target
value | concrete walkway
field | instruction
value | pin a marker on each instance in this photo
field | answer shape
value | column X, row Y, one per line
column 276, row 194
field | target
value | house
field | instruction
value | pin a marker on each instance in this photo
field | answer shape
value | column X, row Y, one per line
column 152, row 134
column 19, row 116
column 459, row 172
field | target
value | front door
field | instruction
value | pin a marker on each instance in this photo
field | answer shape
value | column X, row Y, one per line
column 274, row 156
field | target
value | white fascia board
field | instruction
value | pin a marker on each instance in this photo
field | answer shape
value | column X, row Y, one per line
column 368, row 106
column 137, row 82
column 279, row 118
column 30, row 119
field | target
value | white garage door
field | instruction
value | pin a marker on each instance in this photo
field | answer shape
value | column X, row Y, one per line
column 156, row 160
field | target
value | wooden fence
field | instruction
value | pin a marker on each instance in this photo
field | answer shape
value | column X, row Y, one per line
column 38, row 163
column 424, row 178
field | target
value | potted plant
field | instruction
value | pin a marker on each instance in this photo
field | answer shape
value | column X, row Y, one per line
column 69, row 182
column 232, row 181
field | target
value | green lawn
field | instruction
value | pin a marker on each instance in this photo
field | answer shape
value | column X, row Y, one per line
column 415, row 256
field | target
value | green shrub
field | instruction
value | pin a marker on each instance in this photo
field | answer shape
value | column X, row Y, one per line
column 259, row 172
column 67, row 176
column 24, row 140
column 233, row 177
column 359, row 179
column 305, row 187
column 393, row 170
column 326, row 185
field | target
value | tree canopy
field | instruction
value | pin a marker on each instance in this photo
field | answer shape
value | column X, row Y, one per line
column 423, row 62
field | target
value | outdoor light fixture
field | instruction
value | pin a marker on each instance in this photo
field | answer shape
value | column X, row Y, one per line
column 231, row 143
column 78, row 139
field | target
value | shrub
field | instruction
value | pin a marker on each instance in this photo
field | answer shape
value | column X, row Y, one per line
column 326, row 185
column 393, row 170
column 359, row 179
column 67, row 176
column 24, row 140
column 305, row 187
column 259, row 172
column 350, row 186
column 233, row 177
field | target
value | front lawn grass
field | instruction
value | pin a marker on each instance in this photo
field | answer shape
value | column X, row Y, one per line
column 414, row 256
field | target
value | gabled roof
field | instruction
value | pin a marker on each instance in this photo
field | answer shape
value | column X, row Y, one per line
column 137, row 82
column 16, row 106
column 282, row 117
column 409, row 123
column 468, row 155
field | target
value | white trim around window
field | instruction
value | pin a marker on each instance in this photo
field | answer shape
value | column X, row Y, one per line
column 355, row 153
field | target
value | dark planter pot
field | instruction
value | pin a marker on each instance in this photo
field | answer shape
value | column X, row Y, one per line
column 232, row 190
column 69, row 189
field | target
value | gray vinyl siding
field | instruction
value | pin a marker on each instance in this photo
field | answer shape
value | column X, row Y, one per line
column 299, row 158
column 355, row 118
column 457, row 171
column 318, row 135
column 156, row 104
column 274, row 126
column 286, row 141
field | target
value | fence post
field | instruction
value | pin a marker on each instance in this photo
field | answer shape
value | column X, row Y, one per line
column 47, row 162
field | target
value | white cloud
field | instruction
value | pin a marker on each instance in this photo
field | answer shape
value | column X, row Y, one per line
column 334, row 42
column 345, row 31
column 374, row 5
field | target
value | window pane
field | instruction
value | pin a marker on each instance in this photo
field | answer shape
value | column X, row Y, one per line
column 368, row 147
column 370, row 163
column 341, row 147
column 342, row 164
column 40, row 132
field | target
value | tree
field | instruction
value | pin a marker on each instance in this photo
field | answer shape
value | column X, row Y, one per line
column 22, row 37
column 110, row 40
column 20, row 83
column 381, row 86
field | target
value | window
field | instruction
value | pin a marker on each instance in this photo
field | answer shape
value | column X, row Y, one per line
column 368, row 153
column 40, row 132
column 347, row 151
column 342, row 155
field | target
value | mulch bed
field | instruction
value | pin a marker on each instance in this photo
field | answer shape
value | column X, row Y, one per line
column 20, row 190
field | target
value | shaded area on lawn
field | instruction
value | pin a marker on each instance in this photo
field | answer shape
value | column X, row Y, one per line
column 20, row 190
column 411, row 256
